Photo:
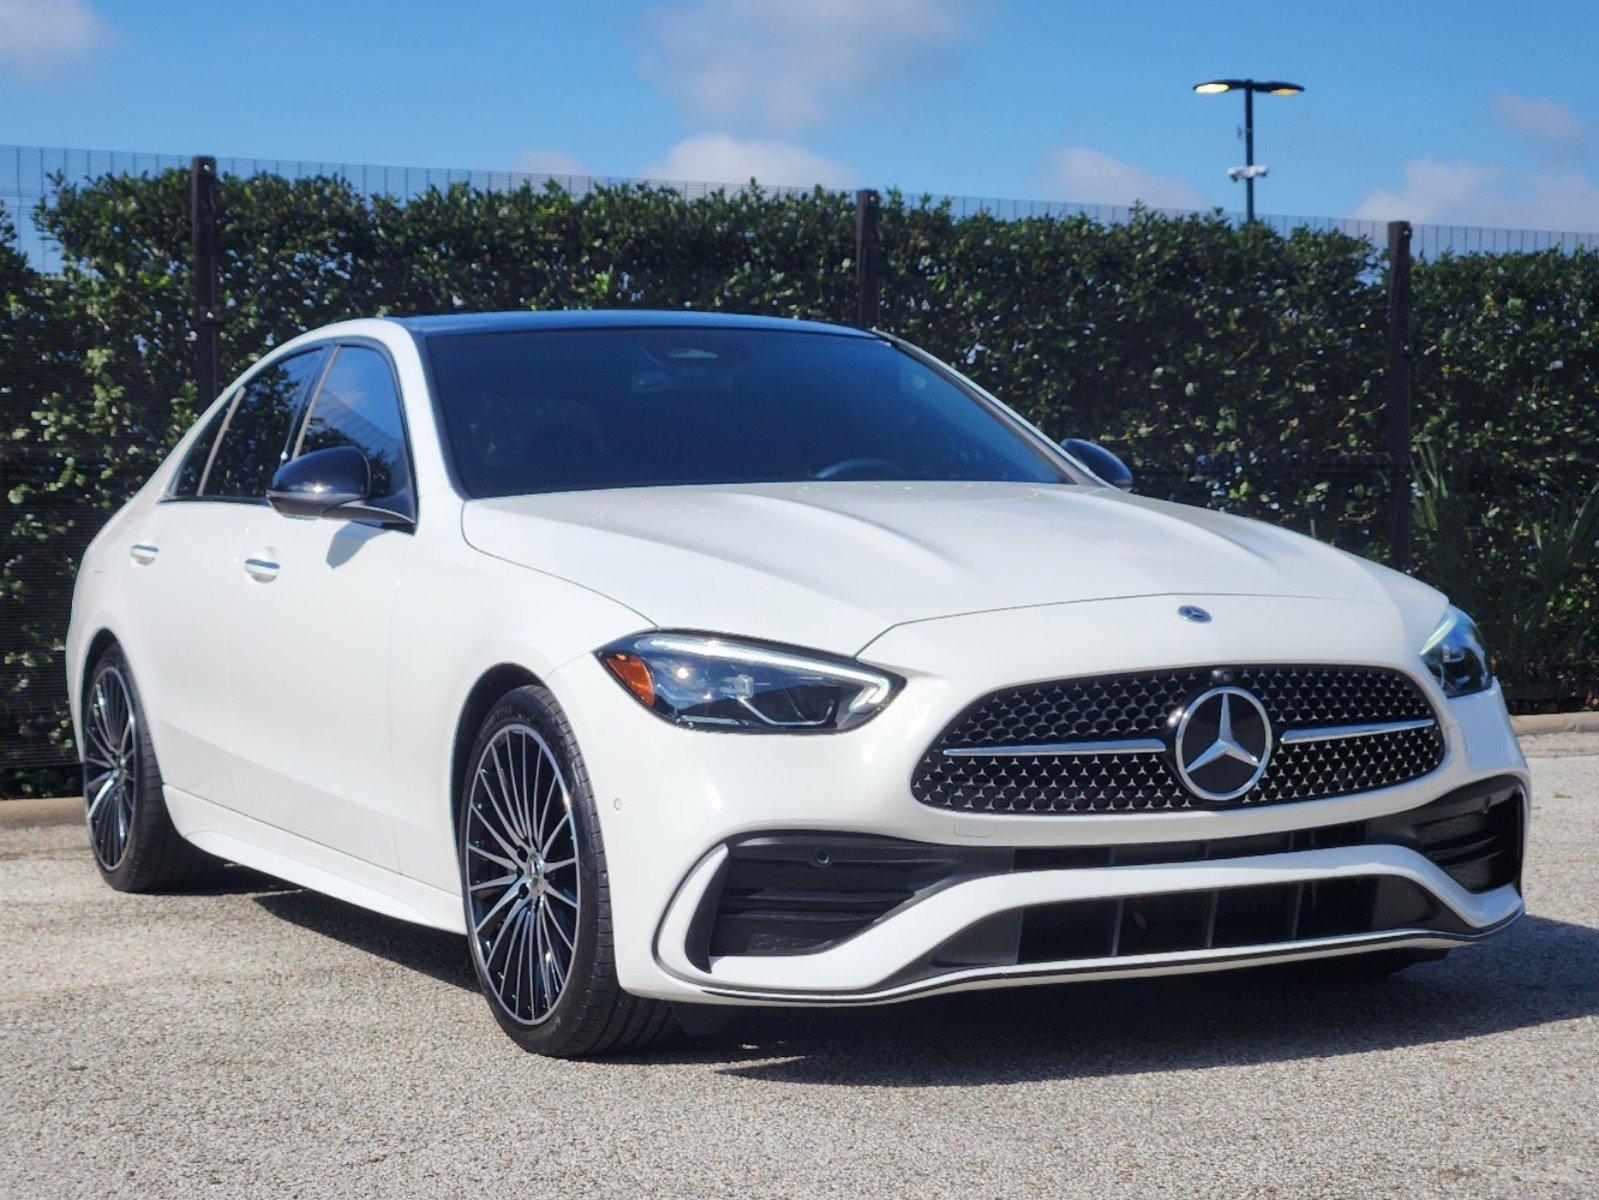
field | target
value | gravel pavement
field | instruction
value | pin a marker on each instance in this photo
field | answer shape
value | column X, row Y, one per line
column 262, row 1041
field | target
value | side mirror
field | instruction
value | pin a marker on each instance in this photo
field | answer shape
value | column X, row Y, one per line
column 315, row 484
column 335, row 483
column 1100, row 461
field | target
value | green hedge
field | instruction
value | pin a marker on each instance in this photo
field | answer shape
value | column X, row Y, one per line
column 1233, row 367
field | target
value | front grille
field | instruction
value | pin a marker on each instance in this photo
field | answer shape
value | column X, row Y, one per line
column 1141, row 707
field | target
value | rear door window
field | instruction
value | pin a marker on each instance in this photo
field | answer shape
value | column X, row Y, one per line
column 186, row 483
column 256, row 438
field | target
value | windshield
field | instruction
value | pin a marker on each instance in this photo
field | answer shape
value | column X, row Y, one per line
column 561, row 410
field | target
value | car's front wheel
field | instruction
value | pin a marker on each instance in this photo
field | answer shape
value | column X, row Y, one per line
column 536, row 891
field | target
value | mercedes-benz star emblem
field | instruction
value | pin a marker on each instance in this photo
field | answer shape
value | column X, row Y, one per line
column 1223, row 743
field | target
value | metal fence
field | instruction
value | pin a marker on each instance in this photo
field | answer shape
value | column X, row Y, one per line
column 30, row 174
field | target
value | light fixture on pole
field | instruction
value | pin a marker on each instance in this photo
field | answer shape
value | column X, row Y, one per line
column 1250, row 171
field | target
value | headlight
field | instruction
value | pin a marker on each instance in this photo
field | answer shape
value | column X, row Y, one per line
column 710, row 682
column 1455, row 656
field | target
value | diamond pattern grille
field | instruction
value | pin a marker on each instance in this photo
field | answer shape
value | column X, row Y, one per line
column 1141, row 705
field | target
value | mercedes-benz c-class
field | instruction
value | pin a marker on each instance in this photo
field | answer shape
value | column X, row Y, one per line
column 684, row 661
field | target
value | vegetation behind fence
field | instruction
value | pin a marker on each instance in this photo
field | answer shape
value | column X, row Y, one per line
column 1235, row 366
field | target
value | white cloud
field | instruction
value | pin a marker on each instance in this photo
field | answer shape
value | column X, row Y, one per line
column 1468, row 193
column 549, row 162
column 1558, row 193
column 787, row 64
column 38, row 36
column 1434, row 190
column 1085, row 176
column 1546, row 124
column 723, row 158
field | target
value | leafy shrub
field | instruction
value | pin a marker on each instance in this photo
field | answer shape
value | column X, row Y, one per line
column 40, row 533
column 1232, row 366
column 1536, row 605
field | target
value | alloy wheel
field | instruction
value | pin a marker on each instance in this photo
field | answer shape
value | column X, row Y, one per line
column 523, row 883
column 110, row 765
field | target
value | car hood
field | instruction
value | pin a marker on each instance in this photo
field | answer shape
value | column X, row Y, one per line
column 832, row 565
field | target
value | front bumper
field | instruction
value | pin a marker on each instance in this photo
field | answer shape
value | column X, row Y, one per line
column 772, row 915
column 673, row 801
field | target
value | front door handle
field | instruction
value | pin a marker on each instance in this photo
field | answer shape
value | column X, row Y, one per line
column 264, row 570
column 143, row 553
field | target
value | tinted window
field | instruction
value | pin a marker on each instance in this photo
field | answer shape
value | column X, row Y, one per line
column 544, row 411
column 358, row 406
column 256, row 439
column 192, row 473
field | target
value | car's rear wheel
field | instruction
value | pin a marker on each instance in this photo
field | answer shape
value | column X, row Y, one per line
column 135, row 844
column 536, row 891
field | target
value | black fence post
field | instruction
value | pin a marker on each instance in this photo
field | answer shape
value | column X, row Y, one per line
column 207, row 305
column 1400, row 354
column 868, row 259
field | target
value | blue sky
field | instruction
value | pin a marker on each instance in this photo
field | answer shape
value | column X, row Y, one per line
column 1469, row 112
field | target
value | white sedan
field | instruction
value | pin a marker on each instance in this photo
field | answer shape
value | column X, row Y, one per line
column 684, row 661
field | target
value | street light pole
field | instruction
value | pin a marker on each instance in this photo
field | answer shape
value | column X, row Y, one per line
column 1249, row 172
column 1249, row 151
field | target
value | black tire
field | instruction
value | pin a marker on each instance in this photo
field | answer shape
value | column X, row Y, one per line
column 135, row 845
column 590, row 1014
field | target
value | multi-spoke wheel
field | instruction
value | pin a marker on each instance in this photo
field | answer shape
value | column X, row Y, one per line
column 524, row 887
column 110, row 764
column 535, row 891
column 135, row 845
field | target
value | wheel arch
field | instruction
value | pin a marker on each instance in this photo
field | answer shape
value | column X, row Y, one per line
column 81, row 675
column 490, row 687
column 93, row 649
column 102, row 638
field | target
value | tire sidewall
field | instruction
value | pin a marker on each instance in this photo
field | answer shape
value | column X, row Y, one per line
column 535, row 707
column 148, row 783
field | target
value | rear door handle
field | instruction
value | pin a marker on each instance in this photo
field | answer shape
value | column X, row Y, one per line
column 143, row 553
column 262, row 569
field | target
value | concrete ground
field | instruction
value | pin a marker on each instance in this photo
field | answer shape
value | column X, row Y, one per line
column 259, row 1040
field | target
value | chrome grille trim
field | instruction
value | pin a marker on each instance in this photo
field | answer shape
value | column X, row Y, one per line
column 1333, row 733
column 1126, row 746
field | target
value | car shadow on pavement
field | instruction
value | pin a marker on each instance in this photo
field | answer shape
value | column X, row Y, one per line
column 432, row 952
column 1539, row 972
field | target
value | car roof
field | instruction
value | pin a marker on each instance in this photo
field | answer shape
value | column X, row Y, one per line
column 636, row 318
